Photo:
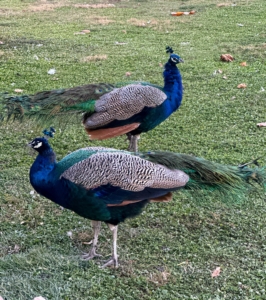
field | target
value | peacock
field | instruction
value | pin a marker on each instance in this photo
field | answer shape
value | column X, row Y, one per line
column 108, row 110
column 109, row 185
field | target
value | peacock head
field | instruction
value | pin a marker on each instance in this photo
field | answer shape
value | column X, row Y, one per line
column 174, row 58
column 39, row 144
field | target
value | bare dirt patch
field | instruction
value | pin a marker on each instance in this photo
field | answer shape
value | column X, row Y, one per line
column 94, row 5
column 45, row 5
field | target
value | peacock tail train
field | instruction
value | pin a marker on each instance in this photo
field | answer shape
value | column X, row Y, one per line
column 232, row 183
column 55, row 105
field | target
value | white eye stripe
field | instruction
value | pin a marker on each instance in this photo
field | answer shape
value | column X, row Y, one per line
column 38, row 145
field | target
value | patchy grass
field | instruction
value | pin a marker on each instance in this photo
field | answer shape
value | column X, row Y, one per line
column 170, row 250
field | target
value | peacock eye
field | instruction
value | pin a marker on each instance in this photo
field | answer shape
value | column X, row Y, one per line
column 99, row 91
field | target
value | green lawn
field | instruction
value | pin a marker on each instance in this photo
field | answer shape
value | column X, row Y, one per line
column 170, row 251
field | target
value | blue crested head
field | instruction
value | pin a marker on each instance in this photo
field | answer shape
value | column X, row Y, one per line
column 174, row 58
column 40, row 144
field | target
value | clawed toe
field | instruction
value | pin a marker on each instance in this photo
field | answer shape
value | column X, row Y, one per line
column 112, row 262
column 90, row 255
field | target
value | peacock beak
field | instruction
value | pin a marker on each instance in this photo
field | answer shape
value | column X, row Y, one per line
column 181, row 60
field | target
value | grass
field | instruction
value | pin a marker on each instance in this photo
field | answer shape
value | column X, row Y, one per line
column 170, row 250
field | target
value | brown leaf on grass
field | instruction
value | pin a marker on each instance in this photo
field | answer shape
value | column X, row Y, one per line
column 243, row 64
column 216, row 272
column 242, row 86
column 226, row 57
column 263, row 124
column 128, row 74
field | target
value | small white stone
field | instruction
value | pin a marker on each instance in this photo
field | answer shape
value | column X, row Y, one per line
column 51, row 71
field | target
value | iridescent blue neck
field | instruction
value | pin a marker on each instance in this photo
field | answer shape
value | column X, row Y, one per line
column 173, row 84
column 40, row 170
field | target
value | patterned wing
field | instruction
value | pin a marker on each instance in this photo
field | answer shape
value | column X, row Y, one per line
column 123, row 103
column 123, row 174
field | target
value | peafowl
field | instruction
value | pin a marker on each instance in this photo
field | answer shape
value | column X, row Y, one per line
column 109, row 185
column 108, row 110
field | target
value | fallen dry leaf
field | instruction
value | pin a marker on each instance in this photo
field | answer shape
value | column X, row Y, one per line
column 242, row 86
column 84, row 31
column 223, row 4
column 18, row 90
column 261, row 124
column 128, row 74
column 220, row 71
column 87, row 243
column 243, row 64
column 224, row 77
column 216, row 272
column 226, row 57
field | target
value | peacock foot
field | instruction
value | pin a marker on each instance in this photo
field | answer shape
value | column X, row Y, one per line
column 90, row 255
column 112, row 262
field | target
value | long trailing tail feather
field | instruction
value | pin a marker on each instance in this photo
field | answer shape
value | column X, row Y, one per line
column 47, row 105
column 233, row 183
column 56, row 105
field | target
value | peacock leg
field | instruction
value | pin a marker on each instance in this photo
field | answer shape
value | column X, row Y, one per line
column 96, row 225
column 114, row 259
column 133, row 145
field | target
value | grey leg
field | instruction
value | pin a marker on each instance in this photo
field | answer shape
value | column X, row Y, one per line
column 114, row 259
column 96, row 225
column 133, row 145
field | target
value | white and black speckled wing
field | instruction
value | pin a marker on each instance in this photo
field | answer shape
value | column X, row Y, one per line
column 123, row 103
column 121, row 169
